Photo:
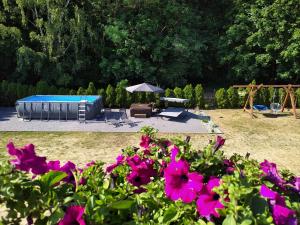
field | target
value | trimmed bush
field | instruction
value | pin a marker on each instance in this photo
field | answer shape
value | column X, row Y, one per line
column 72, row 92
column 101, row 92
column 221, row 98
column 91, row 90
column 199, row 96
column 53, row 90
column 178, row 93
column 233, row 97
column 188, row 93
column 81, row 91
column 120, row 91
column 168, row 92
column 242, row 93
column 110, row 96
column 42, row 88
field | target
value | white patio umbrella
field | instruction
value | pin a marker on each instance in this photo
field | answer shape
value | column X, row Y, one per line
column 144, row 87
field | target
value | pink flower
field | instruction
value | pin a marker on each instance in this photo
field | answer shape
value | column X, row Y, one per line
column 119, row 161
column 296, row 184
column 27, row 160
column 273, row 196
column 68, row 168
column 180, row 183
column 174, row 152
column 73, row 215
column 91, row 163
column 270, row 170
column 284, row 216
column 142, row 170
column 281, row 214
column 219, row 143
column 208, row 200
column 230, row 166
column 137, row 178
column 145, row 141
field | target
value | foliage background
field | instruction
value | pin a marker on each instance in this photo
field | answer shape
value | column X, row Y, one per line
column 170, row 43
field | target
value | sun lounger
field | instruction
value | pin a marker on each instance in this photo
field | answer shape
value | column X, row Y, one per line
column 109, row 119
column 124, row 118
column 172, row 112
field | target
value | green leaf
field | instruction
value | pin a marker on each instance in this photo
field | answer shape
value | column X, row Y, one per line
column 53, row 177
column 55, row 217
column 123, row 204
column 229, row 220
column 106, row 184
column 246, row 222
column 170, row 215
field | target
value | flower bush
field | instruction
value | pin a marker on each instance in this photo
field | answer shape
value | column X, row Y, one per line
column 159, row 182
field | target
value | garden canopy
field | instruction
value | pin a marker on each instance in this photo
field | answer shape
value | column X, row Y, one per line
column 144, row 87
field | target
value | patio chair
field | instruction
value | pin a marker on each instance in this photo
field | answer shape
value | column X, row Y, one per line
column 124, row 118
column 109, row 118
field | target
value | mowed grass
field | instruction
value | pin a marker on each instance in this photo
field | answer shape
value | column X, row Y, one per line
column 275, row 139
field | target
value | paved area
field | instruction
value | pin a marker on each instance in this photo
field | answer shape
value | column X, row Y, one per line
column 189, row 122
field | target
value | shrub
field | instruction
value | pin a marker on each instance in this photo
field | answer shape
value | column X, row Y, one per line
column 188, row 93
column 140, row 97
column 129, row 99
column 273, row 95
column 53, row 90
column 101, row 92
column 110, row 96
column 150, row 97
column 199, row 97
column 233, row 97
column 121, row 93
column 178, row 93
column 243, row 94
column 72, row 92
column 91, row 90
column 164, row 181
column 42, row 88
column 263, row 96
column 168, row 92
column 221, row 98
column 81, row 91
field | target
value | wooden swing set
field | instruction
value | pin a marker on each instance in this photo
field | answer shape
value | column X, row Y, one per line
column 253, row 88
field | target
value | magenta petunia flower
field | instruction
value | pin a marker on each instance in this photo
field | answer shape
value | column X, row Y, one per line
column 208, row 201
column 284, row 216
column 142, row 170
column 174, row 152
column 145, row 141
column 229, row 166
column 180, row 183
column 271, row 173
column 73, row 215
column 296, row 184
column 119, row 161
column 27, row 160
column 68, row 168
column 137, row 178
column 219, row 143
column 273, row 196
column 281, row 214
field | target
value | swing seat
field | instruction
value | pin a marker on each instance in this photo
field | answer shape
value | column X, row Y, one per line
column 260, row 107
column 275, row 107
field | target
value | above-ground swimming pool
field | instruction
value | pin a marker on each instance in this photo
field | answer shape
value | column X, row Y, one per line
column 62, row 107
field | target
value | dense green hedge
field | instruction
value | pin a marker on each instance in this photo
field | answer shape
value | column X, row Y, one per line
column 119, row 97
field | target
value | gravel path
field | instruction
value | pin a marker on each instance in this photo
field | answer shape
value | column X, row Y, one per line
column 188, row 123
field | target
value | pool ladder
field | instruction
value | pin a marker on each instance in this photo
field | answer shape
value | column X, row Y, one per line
column 82, row 112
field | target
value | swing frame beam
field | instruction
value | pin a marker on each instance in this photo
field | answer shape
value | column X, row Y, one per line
column 253, row 88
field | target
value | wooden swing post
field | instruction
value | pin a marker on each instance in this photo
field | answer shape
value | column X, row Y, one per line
column 253, row 88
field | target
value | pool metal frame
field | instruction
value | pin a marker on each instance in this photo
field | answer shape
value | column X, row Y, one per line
column 26, row 109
